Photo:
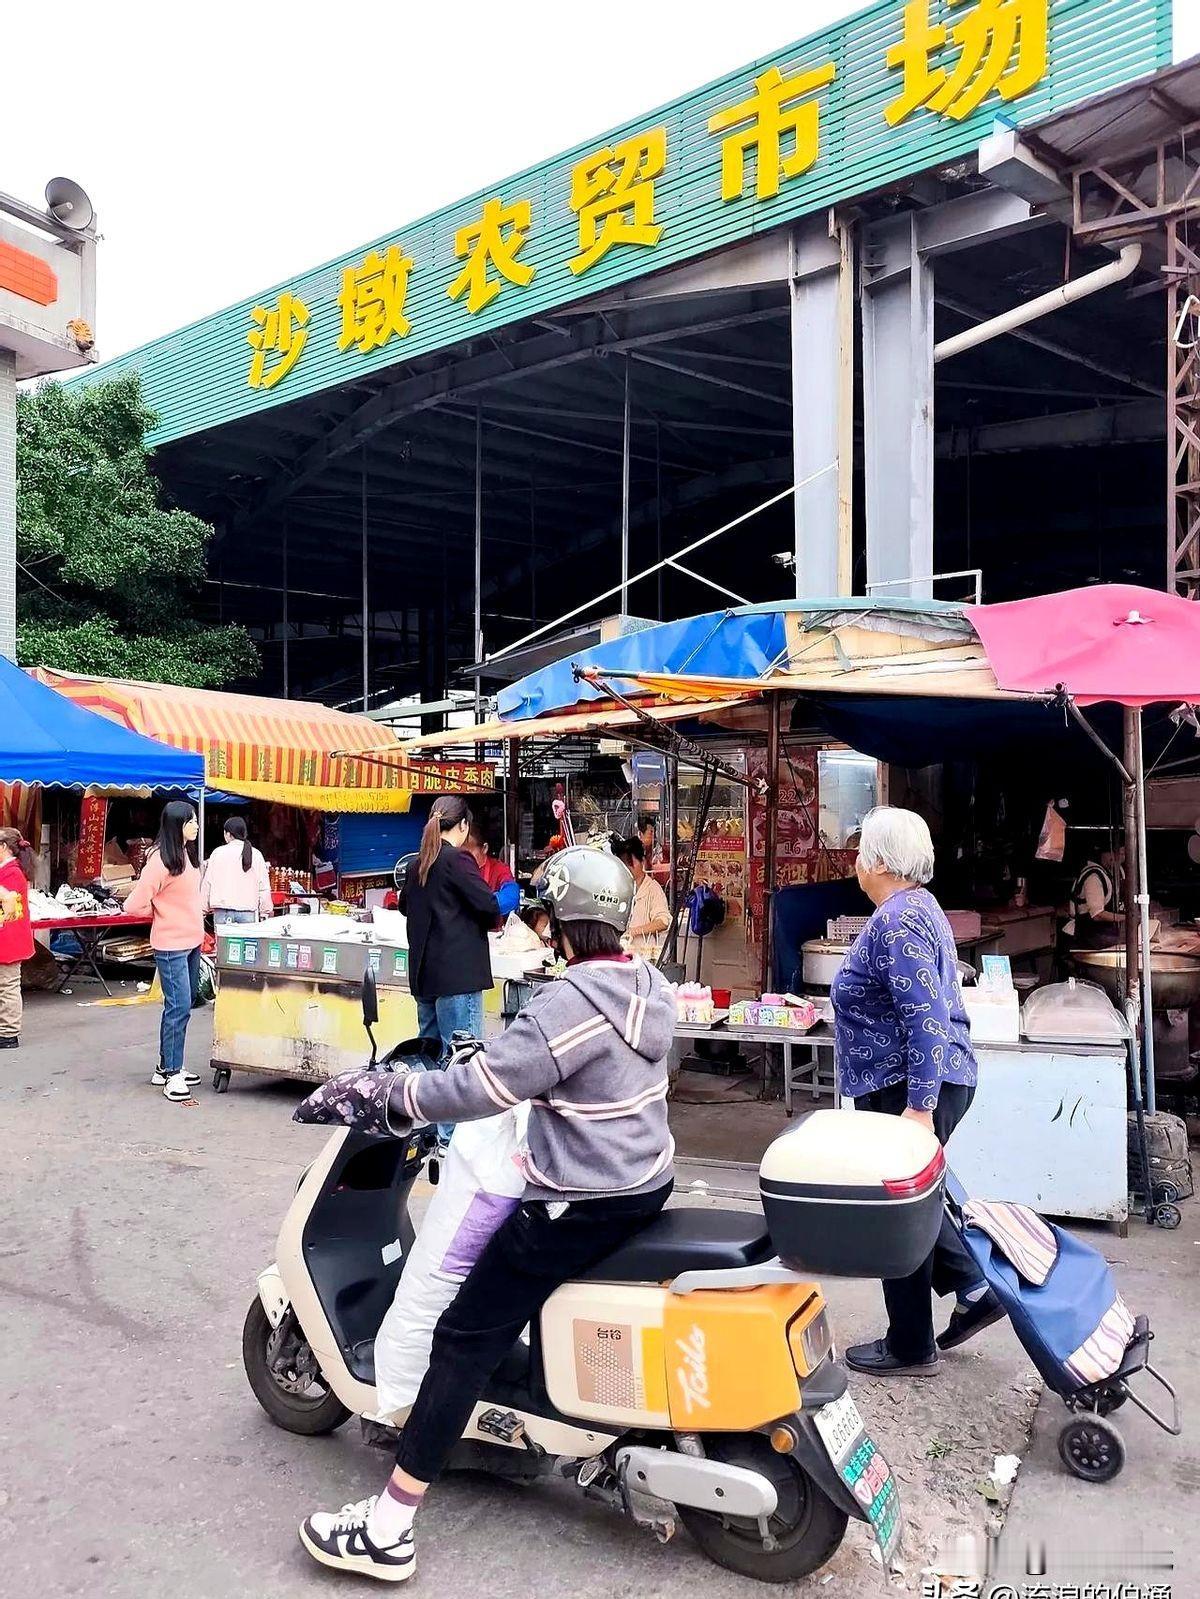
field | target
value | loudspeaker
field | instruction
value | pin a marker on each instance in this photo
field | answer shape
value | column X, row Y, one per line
column 68, row 203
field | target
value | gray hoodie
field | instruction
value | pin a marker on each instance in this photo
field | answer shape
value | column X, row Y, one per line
column 590, row 1054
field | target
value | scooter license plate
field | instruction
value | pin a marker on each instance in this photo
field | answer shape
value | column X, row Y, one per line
column 863, row 1469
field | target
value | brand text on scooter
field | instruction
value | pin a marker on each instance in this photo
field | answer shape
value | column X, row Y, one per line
column 692, row 1375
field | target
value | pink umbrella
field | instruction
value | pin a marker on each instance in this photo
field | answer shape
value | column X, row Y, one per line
column 1116, row 641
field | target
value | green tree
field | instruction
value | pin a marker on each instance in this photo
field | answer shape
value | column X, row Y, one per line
column 109, row 578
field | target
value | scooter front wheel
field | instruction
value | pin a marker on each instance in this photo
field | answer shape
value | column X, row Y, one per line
column 807, row 1526
column 287, row 1381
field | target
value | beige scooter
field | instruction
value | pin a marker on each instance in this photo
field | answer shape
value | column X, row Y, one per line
column 687, row 1377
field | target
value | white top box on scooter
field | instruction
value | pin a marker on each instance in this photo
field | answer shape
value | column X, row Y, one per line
column 853, row 1196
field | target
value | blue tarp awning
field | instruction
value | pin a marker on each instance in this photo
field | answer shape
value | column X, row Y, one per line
column 746, row 644
column 740, row 644
column 44, row 738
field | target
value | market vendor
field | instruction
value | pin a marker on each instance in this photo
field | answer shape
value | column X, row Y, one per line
column 651, row 914
column 1096, row 920
column 493, row 871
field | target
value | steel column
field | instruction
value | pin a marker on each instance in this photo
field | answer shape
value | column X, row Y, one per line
column 478, row 645
column 625, row 440
column 1129, row 761
column 818, row 367
column 286, row 622
column 8, row 505
column 897, row 323
column 772, row 835
column 1183, row 413
column 1143, row 904
column 658, row 514
column 366, row 596
column 512, row 805
column 845, row 432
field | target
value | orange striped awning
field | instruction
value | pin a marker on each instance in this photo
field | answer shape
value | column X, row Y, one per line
column 262, row 743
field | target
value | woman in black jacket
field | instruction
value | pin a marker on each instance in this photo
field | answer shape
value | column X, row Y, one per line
column 449, row 909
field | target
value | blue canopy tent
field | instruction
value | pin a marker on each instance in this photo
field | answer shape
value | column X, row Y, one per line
column 46, row 739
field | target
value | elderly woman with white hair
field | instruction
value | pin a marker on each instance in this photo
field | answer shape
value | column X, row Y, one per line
column 904, row 1048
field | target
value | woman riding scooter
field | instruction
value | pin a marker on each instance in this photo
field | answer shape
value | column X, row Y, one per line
column 590, row 1054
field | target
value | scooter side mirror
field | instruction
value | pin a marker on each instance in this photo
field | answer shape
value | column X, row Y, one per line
column 370, row 999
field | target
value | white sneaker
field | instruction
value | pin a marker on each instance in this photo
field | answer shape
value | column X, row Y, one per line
column 339, row 1539
column 177, row 1089
column 160, row 1077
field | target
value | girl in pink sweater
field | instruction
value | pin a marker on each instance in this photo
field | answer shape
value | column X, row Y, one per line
column 168, row 891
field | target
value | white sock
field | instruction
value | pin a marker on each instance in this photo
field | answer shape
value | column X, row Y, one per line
column 973, row 1295
column 390, row 1518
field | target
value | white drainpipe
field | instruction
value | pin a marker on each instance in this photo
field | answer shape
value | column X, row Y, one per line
column 1066, row 294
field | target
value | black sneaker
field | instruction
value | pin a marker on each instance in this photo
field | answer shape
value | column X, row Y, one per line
column 966, row 1320
column 10, row 1041
column 876, row 1360
column 339, row 1539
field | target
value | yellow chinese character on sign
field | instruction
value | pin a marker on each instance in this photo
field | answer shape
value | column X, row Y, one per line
column 1003, row 45
column 487, row 242
column 282, row 332
column 612, row 192
column 769, row 124
column 372, row 300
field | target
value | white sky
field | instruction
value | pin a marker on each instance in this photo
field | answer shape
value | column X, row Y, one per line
column 231, row 145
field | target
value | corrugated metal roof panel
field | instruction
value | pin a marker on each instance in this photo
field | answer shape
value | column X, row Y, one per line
column 1128, row 119
column 197, row 377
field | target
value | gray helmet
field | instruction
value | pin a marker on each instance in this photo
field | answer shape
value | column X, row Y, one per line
column 588, row 885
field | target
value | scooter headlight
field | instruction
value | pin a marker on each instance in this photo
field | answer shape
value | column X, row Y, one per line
column 812, row 1343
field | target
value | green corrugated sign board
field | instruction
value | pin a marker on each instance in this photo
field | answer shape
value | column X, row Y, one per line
column 886, row 93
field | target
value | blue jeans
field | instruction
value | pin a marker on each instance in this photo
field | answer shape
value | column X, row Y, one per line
column 441, row 1018
column 233, row 918
column 178, row 970
column 450, row 1014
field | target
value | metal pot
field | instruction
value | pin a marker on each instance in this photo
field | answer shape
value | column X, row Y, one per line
column 1175, row 979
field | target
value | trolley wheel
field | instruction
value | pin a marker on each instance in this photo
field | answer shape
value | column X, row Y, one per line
column 1165, row 1193
column 1167, row 1216
column 1091, row 1448
column 221, row 1075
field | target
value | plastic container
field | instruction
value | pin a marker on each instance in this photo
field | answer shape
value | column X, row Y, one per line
column 995, row 1017
column 1072, row 1012
column 853, row 1195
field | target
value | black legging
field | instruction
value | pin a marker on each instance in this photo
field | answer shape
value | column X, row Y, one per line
column 533, row 1253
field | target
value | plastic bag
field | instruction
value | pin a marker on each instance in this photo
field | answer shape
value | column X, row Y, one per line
column 206, row 981
column 1052, row 839
column 479, row 1187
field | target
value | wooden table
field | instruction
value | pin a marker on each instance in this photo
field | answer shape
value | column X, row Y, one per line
column 89, row 932
column 816, row 1069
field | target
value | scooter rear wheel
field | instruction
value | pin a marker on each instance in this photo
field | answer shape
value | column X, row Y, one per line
column 307, row 1410
column 807, row 1526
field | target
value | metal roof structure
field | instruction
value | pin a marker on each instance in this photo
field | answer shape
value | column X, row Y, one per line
column 1133, row 117
column 355, row 485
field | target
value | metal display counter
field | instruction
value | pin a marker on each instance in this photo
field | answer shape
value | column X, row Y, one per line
column 291, row 1006
column 1047, row 1127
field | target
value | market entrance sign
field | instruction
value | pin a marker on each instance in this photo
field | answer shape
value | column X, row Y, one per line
column 899, row 88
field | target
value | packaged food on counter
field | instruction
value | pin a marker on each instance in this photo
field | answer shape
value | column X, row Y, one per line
column 775, row 1010
column 695, row 1003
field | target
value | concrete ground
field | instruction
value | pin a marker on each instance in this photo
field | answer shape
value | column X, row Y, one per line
column 135, row 1461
